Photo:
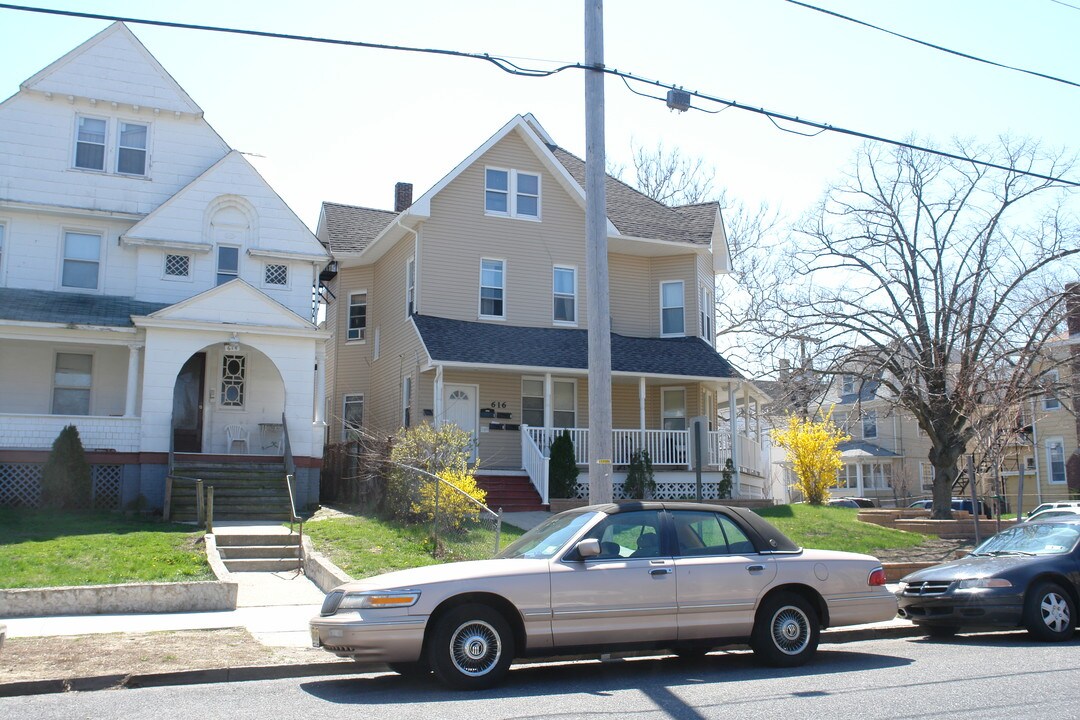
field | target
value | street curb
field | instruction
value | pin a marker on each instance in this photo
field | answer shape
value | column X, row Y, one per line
column 279, row 672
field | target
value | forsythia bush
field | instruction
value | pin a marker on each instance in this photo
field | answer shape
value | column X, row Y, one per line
column 812, row 450
column 456, row 511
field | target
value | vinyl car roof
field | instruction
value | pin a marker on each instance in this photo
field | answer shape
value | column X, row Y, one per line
column 768, row 537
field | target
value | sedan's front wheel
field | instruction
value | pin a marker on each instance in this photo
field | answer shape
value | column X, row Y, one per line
column 1049, row 612
column 786, row 630
column 471, row 647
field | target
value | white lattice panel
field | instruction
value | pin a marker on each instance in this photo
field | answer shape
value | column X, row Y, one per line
column 107, row 483
column 20, row 484
column 664, row 491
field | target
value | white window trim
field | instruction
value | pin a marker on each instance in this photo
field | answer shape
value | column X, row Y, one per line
column 116, row 155
column 5, row 246
column 217, row 261
column 522, row 396
column 844, row 381
column 682, row 285
column 288, row 276
column 480, row 286
column 75, row 145
column 376, row 346
column 348, row 317
column 407, row 400
column 1050, row 402
column 866, row 414
column 664, row 389
column 573, row 269
column 344, row 401
column 102, row 246
column 410, row 285
column 923, row 485
column 177, row 278
column 705, row 315
column 93, row 384
column 573, row 382
column 1060, row 442
column 512, row 194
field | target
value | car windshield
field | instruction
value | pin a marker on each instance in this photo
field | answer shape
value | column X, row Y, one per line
column 1034, row 539
column 546, row 539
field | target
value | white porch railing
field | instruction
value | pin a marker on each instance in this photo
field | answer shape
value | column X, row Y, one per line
column 535, row 460
column 750, row 454
column 38, row 432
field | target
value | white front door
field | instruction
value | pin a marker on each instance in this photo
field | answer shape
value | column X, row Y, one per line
column 461, row 407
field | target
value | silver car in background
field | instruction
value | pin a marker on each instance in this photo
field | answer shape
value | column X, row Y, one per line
column 680, row 576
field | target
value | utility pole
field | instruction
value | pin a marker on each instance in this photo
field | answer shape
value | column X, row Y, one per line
column 596, row 260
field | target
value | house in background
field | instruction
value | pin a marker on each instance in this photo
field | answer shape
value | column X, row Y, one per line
column 468, row 306
column 154, row 290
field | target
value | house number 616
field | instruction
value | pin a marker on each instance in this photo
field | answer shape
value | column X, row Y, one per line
column 498, row 405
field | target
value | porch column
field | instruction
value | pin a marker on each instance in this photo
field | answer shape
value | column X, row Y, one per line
column 734, row 416
column 641, row 408
column 438, row 392
column 858, row 479
column 134, row 350
column 320, row 384
column 549, row 410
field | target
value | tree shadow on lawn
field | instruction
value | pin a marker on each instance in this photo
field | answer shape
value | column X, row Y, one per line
column 18, row 525
column 652, row 675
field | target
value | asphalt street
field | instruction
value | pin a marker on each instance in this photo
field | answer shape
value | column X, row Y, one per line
column 994, row 675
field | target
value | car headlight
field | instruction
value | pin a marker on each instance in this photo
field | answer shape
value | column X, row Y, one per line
column 379, row 599
column 984, row 582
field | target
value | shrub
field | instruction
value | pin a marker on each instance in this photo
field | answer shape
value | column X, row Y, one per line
column 456, row 511
column 562, row 468
column 723, row 489
column 812, row 451
column 65, row 479
column 639, row 483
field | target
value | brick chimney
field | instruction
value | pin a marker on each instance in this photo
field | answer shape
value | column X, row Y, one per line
column 1072, row 308
column 402, row 196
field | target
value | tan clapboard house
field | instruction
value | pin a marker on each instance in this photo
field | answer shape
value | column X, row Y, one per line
column 468, row 305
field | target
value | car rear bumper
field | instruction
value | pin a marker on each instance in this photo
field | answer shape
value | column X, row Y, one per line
column 348, row 635
column 861, row 609
column 1003, row 610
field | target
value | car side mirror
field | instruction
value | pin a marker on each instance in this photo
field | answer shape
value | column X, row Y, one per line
column 587, row 548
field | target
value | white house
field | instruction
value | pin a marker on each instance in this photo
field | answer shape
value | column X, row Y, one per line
column 154, row 290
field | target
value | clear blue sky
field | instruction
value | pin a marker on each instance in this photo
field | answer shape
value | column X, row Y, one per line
column 345, row 124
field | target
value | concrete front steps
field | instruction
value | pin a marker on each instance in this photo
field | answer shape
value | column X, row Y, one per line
column 253, row 490
column 259, row 553
column 512, row 493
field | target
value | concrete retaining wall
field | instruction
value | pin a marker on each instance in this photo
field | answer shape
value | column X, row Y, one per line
column 319, row 570
column 114, row 599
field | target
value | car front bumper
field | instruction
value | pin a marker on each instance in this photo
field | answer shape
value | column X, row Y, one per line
column 350, row 634
column 983, row 607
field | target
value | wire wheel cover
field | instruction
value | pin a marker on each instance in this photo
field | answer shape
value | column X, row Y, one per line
column 475, row 648
column 1055, row 612
column 790, row 630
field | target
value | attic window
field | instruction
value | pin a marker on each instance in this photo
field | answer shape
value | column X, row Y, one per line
column 131, row 150
column 512, row 193
column 177, row 265
column 90, row 144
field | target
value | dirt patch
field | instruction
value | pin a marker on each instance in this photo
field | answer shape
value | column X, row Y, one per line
column 59, row 658
column 936, row 550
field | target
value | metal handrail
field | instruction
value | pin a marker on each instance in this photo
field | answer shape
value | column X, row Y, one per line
column 294, row 517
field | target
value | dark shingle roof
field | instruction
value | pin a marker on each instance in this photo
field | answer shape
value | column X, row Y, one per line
column 638, row 215
column 71, row 308
column 861, row 447
column 496, row 344
column 350, row 228
column 867, row 390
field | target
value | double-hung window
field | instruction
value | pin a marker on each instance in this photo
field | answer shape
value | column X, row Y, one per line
column 406, row 401
column 131, row 149
column 357, row 316
column 90, row 143
column 705, row 313
column 564, row 292
column 492, row 289
column 82, row 261
column 352, row 417
column 532, row 402
column 512, row 193
column 1055, row 459
column 228, row 264
column 1050, row 400
column 673, row 408
column 672, row 304
column 71, row 384
column 847, row 384
column 410, row 287
column 563, row 402
column 869, row 424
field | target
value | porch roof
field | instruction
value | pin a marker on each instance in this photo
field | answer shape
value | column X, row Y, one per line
column 861, row 448
column 462, row 341
column 64, row 308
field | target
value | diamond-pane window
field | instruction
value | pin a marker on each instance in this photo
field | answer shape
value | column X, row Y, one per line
column 177, row 265
column 233, row 370
column 276, row 275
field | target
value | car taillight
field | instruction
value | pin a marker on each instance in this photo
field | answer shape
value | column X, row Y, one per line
column 877, row 577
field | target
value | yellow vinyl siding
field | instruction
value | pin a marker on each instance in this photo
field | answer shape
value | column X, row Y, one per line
column 676, row 267
column 348, row 366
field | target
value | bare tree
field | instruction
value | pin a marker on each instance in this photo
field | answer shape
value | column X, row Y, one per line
column 670, row 177
column 940, row 279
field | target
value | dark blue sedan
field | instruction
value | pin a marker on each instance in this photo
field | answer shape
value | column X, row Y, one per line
column 1027, row 576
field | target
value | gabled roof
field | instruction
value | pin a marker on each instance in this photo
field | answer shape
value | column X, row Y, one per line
column 233, row 303
column 861, row 448
column 114, row 66
column 64, row 308
column 462, row 341
column 350, row 228
column 866, row 391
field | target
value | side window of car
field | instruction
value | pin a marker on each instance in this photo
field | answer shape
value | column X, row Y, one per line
column 738, row 542
column 628, row 535
column 706, row 533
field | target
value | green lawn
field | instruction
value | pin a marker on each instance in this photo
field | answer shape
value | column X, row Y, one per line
column 51, row 549
column 364, row 546
column 835, row 528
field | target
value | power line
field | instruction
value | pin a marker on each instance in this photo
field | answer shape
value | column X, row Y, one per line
column 515, row 69
column 1065, row 4
column 932, row 45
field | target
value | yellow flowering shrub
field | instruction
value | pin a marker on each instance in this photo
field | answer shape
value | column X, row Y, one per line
column 813, row 453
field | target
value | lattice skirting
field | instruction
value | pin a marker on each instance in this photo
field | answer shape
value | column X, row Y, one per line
column 664, row 491
column 20, row 485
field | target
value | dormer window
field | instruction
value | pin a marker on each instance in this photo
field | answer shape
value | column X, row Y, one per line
column 90, row 143
column 512, row 193
column 847, row 384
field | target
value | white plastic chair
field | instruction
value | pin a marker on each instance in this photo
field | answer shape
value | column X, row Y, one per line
column 236, row 434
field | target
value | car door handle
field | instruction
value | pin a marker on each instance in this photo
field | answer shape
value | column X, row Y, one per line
column 754, row 568
column 660, row 571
